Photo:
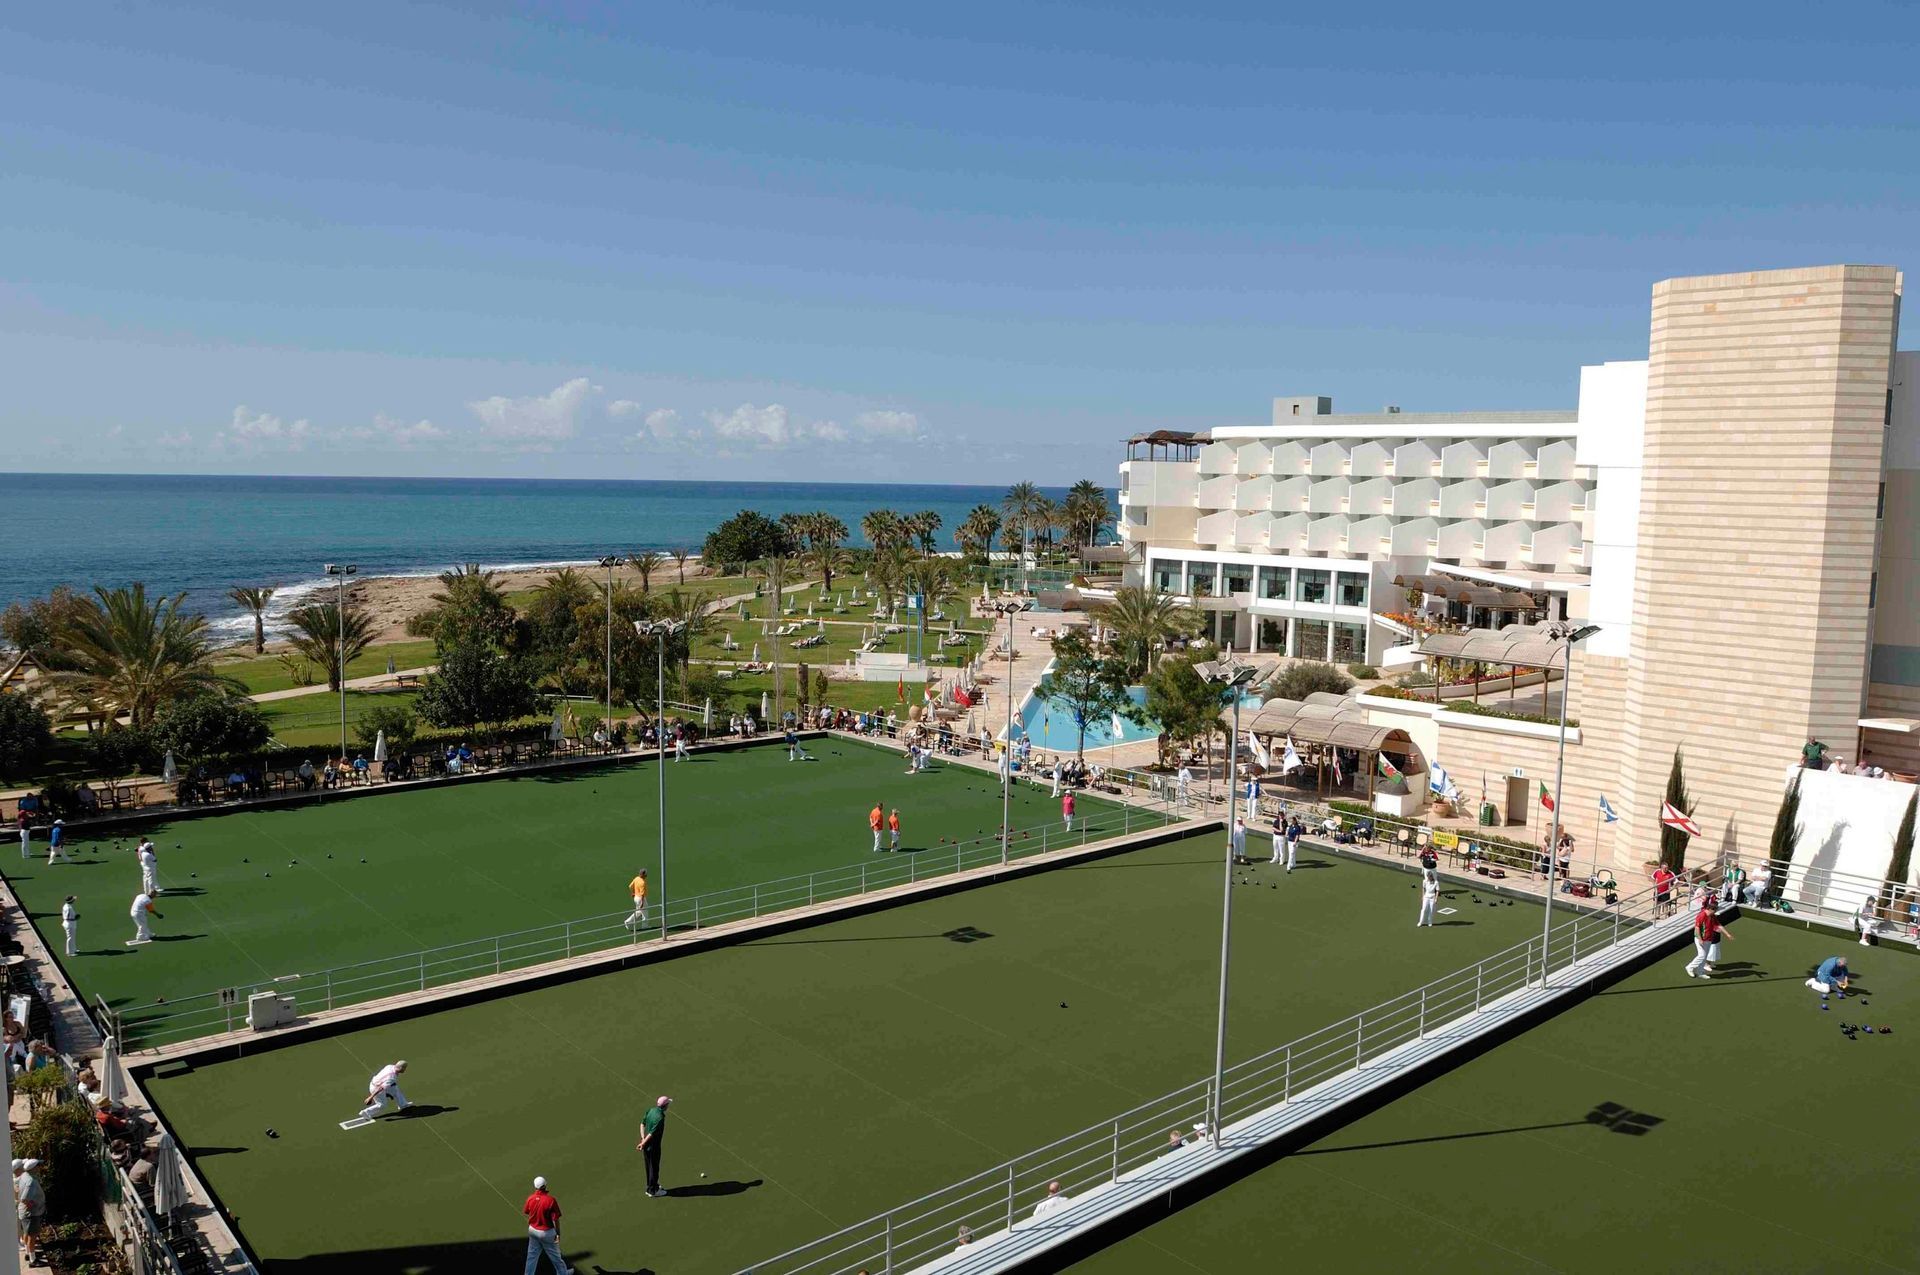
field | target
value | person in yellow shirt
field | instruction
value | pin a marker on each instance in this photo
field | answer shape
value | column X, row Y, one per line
column 875, row 818
column 638, row 888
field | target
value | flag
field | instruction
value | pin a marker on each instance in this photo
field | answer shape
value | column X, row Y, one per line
column 1114, row 724
column 900, row 688
column 1438, row 780
column 1338, row 776
column 1546, row 798
column 1387, row 769
column 1680, row 819
column 1607, row 810
column 1290, row 760
column 1259, row 751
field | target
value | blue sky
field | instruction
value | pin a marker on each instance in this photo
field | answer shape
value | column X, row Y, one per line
column 887, row 242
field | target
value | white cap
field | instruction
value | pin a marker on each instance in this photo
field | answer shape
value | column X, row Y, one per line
column 539, row 1184
column 22, row 1165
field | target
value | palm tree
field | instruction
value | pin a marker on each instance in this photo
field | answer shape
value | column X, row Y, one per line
column 827, row 558
column 977, row 531
column 254, row 600
column 825, row 528
column 646, row 563
column 887, row 574
column 321, row 628
column 932, row 577
column 1139, row 620
column 1087, row 510
column 122, row 654
column 680, row 554
column 1021, row 505
column 883, row 528
column 694, row 612
column 925, row 524
column 1048, row 517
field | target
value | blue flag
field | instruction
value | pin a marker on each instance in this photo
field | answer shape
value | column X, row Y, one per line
column 1607, row 810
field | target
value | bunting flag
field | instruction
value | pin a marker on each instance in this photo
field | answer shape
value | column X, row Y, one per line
column 1607, row 811
column 1674, row 817
column 1387, row 769
column 1546, row 798
column 1290, row 760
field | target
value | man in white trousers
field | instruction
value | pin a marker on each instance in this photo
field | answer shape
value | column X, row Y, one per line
column 70, row 923
column 680, row 752
column 149, row 868
column 1429, row 896
column 57, row 842
column 385, row 1088
column 1279, row 838
column 1237, row 839
column 1707, row 933
column 141, row 913
column 26, row 837
column 638, row 887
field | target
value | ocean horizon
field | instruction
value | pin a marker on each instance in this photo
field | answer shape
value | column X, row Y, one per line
column 202, row 534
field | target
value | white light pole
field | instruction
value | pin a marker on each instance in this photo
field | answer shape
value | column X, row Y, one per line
column 660, row 631
column 1008, row 607
column 340, row 571
column 1567, row 636
column 1226, row 674
column 610, row 562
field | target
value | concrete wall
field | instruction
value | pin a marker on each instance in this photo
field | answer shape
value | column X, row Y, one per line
column 1766, row 400
column 1847, row 824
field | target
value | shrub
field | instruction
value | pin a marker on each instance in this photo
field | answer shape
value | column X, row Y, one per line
column 396, row 720
column 1303, row 680
column 210, row 728
column 1365, row 672
column 1398, row 692
column 1487, row 710
column 26, row 735
column 121, row 750
column 61, row 1136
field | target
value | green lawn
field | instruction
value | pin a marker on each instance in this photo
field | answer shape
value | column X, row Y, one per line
column 1779, row 1144
column 314, row 720
column 819, row 1075
column 477, row 859
column 264, row 673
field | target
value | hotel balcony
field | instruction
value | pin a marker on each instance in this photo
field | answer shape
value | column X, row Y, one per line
column 1464, row 459
column 1292, row 495
column 1371, row 459
column 1252, row 494
column 1328, row 496
column 1216, row 492
column 1416, row 497
column 1370, row 496
column 1416, row 459
column 1465, row 499
column 1294, row 456
column 1330, row 460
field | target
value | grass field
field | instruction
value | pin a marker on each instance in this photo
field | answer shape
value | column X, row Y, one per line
column 1779, row 1144
column 262, row 673
column 484, row 857
column 819, row 1075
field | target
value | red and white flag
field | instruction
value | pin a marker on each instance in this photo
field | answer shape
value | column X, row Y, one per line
column 1673, row 817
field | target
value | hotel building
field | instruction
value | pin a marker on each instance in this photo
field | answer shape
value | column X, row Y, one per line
column 1737, row 513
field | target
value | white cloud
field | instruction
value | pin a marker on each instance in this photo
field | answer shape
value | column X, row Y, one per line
column 178, row 439
column 391, row 431
column 761, row 426
column 662, row 422
column 250, row 430
column 621, row 408
column 537, row 422
column 888, row 424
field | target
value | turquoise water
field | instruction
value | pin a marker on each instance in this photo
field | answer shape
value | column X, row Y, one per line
column 1050, row 724
column 203, row 534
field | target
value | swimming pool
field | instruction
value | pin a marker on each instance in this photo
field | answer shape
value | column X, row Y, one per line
column 1050, row 724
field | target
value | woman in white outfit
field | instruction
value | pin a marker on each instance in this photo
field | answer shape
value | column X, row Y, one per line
column 1429, row 896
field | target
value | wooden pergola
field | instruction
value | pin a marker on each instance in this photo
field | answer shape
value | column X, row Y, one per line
column 1325, row 722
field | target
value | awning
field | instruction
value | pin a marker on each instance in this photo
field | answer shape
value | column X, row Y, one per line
column 1323, row 718
column 1526, row 645
column 1893, row 725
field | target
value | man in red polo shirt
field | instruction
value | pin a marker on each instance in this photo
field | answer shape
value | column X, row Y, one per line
column 1707, row 933
column 543, row 1229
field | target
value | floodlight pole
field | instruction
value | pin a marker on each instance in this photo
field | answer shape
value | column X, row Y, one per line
column 1568, row 636
column 1009, row 609
column 660, row 631
column 1232, row 677
column 340, row 572
column 606, row 725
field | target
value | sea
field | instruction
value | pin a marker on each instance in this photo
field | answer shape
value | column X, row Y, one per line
column 201, row 535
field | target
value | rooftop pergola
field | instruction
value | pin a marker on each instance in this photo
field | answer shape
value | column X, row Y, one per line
column 1165, row 444
column 1471, row 593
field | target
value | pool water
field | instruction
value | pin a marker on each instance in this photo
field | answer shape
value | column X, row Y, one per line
column 1050, row 724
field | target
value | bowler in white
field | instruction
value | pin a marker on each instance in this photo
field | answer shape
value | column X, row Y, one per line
column 385, row 1088
column 1429, row 896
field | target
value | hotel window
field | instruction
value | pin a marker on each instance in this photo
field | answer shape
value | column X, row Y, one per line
column 1349, row 643
column 1239, row 577
column 1353, row 590
column 1310, row 639
column 1200, row 577
column 1276, row 583
column 1313, row 585
column 1272, row 635
column 1166, row 575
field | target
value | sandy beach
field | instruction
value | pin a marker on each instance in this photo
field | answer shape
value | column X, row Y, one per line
column 393, row 600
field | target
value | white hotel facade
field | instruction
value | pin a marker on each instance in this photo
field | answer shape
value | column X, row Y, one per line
column 1738, row 515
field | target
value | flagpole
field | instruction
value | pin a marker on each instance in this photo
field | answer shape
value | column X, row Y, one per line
column 1567, row 638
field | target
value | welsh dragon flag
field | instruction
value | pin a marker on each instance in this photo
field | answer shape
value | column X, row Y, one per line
column 1546, row 798
column 1387, row 769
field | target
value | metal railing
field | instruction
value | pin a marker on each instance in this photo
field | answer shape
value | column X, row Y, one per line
column 180, row 1019
column 1837, row 897
column 991, row 1203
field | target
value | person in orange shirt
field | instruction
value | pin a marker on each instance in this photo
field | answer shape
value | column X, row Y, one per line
column 875, row 818
column 638, row 888
column 893, row 829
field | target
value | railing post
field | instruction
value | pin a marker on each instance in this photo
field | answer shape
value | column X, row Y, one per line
column 863, row 878
column 1286, row 1076
column 756, row 899
column 496, row 951
column 887, row 1264
column 1116, row 1150
column 1423, row 1014
column 1009, row 1196
column 423, row 971
column 1479, row 973
column 1359, row 1039
column 696, row 911
column 329, row 987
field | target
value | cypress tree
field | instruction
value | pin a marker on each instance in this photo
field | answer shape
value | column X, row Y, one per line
column 1673, row 842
